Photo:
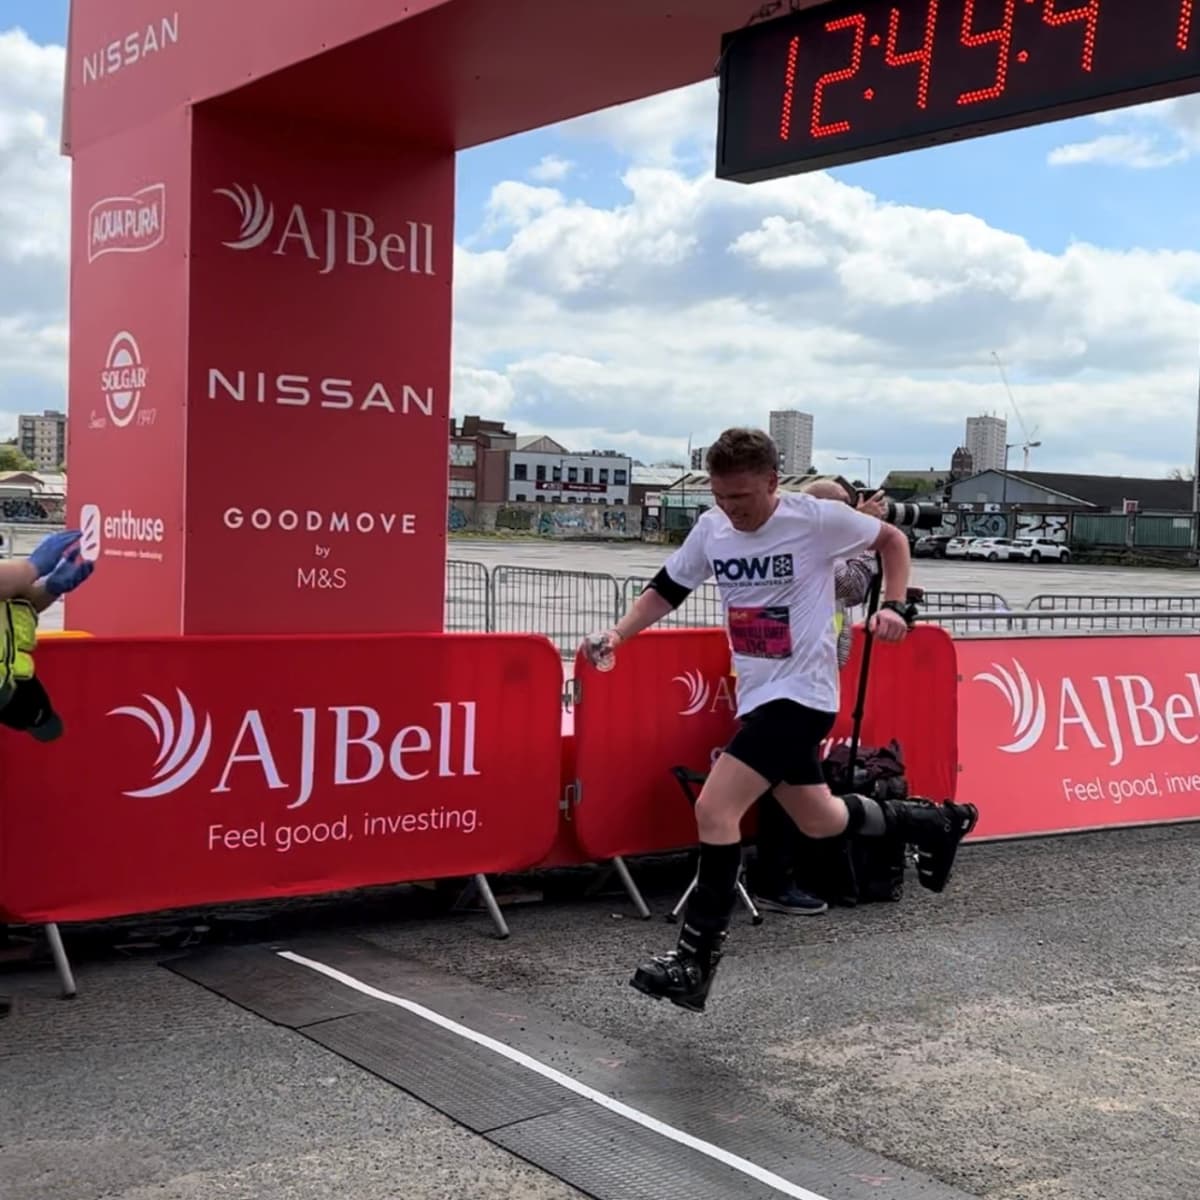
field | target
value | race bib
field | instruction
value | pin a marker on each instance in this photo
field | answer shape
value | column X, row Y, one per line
column 761, row 632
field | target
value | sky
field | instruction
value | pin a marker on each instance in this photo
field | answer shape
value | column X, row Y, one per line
column 610, row 292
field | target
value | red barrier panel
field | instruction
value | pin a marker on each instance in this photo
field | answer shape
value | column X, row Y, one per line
column 1067, row 734
column 205, row 770
column 669, row 701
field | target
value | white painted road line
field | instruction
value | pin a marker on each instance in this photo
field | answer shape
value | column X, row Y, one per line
column 778, row 1183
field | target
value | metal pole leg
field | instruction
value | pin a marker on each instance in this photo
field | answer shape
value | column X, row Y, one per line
column 631, row 888
column 485, row 890
column 751, row 907
column 673, row 915
column 61, row 963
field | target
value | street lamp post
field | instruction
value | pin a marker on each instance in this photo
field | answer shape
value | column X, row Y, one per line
column 857, row 458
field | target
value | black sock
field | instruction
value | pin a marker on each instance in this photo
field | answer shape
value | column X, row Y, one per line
column 710, row 905
column 866, row 816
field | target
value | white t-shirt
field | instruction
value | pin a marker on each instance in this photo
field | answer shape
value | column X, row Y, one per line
column 776, row 586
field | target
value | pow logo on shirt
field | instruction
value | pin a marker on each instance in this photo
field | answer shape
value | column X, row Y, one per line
column 753, row 570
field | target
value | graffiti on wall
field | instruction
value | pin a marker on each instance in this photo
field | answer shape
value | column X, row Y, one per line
column 614, row 520
column 984, row 525
column 1053, row 526
column 517, row 519
column 456, row 520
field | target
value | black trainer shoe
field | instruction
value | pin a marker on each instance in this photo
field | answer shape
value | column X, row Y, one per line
column 935, row 830
column 685, row 974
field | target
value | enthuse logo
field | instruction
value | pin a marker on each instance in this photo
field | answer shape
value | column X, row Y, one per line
column 333, row 238
column 347, row 744
column 127, row 224
column 1106, row 712
column 125, row 535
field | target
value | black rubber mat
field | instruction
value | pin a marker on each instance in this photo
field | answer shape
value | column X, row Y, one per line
column 582, row 1145
column 257, row 979
column 606, row 1154
column 472, row 1086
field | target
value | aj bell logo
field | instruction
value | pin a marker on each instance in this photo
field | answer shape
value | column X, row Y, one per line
column 1028, row 705
column 701, row 695
column 345, row 238
column 1111, row 712
column 444, row 747
column 753, row 570
column 181, row 752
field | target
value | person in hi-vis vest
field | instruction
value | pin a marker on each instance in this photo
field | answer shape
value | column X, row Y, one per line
column 28, row 586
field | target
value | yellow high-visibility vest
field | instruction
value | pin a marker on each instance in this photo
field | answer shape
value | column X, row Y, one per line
column 18, row 637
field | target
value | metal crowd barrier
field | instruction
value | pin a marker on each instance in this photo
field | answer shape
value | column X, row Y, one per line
column 566, row 606
column 1132, row 621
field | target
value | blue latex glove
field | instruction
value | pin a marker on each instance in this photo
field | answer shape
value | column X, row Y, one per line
column 50, row 549
column 70, row 572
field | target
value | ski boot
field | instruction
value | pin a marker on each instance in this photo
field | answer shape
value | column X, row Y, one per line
column 685, row 974
column 935, row 830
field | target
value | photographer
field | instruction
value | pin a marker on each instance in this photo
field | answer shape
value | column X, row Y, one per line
column 773, row 882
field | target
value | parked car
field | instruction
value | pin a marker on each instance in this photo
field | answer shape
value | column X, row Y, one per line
column 993, row 549
column 1034, row 549
column 931, row 545
column 957, row 547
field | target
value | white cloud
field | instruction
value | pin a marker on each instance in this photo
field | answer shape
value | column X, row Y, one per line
column 692, row 304
column 1159, row 134
column 1118, row 150
column 662, row 130
column 34, row 229
column 551, row 169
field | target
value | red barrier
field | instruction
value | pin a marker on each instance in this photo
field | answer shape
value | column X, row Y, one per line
column 669, row 701
column 207, row 770
column 1067, row 734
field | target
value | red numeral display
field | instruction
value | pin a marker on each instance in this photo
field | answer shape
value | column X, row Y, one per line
column 924, row 56
column 789, row 90
column 1002, row 37
column 1090, row 13
column 1184, row 36
column 858, row 23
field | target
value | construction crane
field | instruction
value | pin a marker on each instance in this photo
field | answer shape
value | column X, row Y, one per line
column 1028, row 444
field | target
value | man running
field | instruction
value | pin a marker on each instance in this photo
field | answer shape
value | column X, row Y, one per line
column 773, row 557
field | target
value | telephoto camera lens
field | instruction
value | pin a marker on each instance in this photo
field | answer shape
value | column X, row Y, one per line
column 912, row 516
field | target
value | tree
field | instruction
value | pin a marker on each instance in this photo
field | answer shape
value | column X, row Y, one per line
column 11, row 459
column 1183, row 474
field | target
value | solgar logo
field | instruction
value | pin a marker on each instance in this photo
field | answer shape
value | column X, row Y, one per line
column 753, row 570
column 127, row 224
column 123, row 380
column 334, row 238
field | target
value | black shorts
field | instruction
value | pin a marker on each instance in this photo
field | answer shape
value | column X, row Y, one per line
column 781, row 740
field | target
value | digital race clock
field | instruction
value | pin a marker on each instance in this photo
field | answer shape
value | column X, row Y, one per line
column 843, row 82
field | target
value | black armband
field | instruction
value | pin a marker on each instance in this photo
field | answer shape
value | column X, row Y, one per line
column 673, row 593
